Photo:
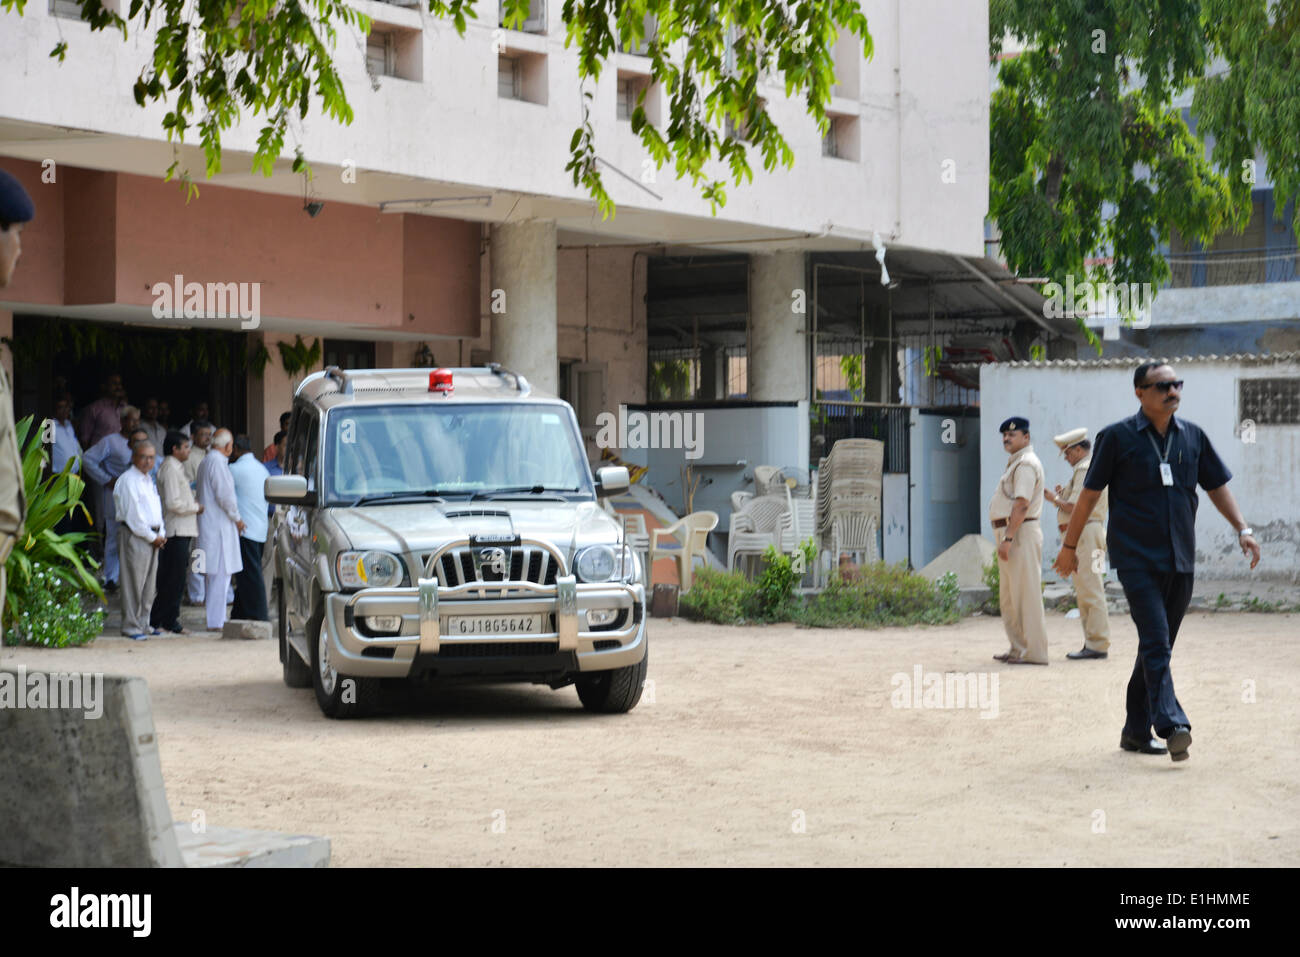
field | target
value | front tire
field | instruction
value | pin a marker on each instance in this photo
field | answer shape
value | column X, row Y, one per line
column 296, row 672
column 339, row 696
column 616, row 691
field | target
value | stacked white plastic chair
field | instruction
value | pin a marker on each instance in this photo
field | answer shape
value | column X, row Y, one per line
column 764, row 520
column 848, row 499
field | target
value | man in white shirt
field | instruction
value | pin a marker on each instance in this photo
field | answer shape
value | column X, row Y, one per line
column 139, row 509
column 66, row 445
column 219, row 527
column 103, row 463
column 200, row 440
column 250, row 478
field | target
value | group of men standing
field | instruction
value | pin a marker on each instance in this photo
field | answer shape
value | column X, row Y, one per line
column 215, row 527
column 1151, row 465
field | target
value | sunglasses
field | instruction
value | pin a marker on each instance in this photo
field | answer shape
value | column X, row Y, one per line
column 1165, row 386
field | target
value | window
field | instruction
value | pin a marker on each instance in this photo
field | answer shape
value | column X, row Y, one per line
column 68, row 9
column 381, row 54
column 1270, row 401
column 674, row 375
column 522, row 76
column 1265, row 252
column 641, row 47
column 629, row 89
column 535, row 22
column 841, row 139
column 509, row 82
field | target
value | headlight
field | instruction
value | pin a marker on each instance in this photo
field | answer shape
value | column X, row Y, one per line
column 368, row 570
column 603, row 563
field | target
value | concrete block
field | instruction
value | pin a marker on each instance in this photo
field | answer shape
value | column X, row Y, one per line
column 241, row 847
column 972, row 598
column 81, row 786
column 245, row 628
column 966, row 557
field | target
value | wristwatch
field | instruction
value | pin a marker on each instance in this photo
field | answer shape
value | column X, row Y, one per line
column 1245, row 531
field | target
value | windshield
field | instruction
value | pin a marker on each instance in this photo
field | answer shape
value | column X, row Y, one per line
column 452, row 450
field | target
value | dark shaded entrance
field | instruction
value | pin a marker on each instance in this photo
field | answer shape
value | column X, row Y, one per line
column 181, row 366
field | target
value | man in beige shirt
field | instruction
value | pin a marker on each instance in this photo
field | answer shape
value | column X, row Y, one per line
column 1014, row 512
column 1090, row 577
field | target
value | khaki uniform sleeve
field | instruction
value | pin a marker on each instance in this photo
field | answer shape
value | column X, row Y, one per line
column 13, row 502
column 1024, row 482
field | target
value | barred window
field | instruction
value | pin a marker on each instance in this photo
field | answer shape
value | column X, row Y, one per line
column 1270, row 401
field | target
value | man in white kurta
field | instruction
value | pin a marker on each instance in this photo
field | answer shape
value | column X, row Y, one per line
column 219, row 527
column 139, row 510
column 200, row 441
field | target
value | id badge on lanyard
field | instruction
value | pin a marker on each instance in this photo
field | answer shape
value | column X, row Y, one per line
column 1166, row 473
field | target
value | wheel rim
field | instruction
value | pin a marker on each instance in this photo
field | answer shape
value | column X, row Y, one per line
column 328, row 676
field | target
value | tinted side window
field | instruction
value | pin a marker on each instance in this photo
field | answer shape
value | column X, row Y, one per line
column 312, row 428
column 293, row 455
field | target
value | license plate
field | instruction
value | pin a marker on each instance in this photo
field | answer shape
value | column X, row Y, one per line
column 493, row 625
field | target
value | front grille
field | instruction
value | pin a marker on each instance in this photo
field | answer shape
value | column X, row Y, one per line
column 605, row 643
column 496, row 649
column 529, row 563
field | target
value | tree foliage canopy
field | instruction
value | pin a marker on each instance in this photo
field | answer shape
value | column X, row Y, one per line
column 217, row 60
column 1089, row 157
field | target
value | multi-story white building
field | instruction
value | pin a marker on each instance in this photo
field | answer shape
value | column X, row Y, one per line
column 441, row 226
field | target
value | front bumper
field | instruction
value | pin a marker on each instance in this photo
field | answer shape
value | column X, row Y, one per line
column 566, row 641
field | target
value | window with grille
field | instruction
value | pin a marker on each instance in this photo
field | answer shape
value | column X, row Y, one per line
column 381, row 53
column 673, row 375
column 626, row 97
column 509, row 82
column 1270, row 401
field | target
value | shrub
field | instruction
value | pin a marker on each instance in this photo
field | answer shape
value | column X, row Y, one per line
column 879, row 595
column 57, row 556
column 50, row 613
column 779, row 576
column 727, row 598
column 993, row 581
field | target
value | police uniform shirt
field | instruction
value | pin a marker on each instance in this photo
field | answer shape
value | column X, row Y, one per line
column 1022, row 479
column 1075, row 488
column 1155, row 524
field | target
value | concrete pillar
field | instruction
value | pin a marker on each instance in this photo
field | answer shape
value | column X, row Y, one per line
column 778, row 306
column 522, row 301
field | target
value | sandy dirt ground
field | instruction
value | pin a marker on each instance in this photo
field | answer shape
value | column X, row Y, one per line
column 762, row 746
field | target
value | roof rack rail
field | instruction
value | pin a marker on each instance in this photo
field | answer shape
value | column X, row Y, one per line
column 521, row 384
column 337, row 374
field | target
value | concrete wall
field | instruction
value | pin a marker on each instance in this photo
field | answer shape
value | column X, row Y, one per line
column 1265, row 481
column 945, row 504
column 911, row 106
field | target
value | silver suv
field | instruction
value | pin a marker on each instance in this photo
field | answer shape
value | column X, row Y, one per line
column 441, row 525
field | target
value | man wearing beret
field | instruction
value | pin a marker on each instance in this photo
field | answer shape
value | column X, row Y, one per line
column 15, row 209
column 1152, row 463
column 1090, row 578
column 1015, row 509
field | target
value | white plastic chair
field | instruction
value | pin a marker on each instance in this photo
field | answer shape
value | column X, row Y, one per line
column 765, row 520
column 689, row 537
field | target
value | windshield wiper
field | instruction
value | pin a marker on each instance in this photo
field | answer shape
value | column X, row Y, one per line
column 432, row 494
column 517, row 490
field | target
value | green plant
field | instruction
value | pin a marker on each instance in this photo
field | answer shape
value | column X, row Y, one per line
column 51, row 614
column 993, row 582
column 299, row 357
column 49, row 501
column 881, row 594
column 1222, row 601
column 727, row 598
column 779, row 576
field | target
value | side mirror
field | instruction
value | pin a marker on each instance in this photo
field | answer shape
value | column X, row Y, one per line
column 610, row 480
column 288, row 490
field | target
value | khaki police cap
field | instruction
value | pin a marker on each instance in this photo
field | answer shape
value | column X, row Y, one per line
column 1073, row 437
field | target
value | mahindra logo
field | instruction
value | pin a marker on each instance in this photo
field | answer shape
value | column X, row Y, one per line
column 493, row 558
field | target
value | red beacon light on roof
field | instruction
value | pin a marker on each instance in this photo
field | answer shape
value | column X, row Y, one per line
column 440, row 381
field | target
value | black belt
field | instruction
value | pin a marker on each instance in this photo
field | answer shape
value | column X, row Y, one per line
column 1001, row 522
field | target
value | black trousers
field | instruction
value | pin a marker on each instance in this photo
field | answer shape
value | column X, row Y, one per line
column 250, row 587
column 1157, row 602
column 172, row 563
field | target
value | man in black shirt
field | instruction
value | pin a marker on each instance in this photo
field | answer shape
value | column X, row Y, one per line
column 1152, row 463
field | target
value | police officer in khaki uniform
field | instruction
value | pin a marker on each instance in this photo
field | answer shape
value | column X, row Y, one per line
column 15, row 209
column 1090, row 577
column 1015, row 510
